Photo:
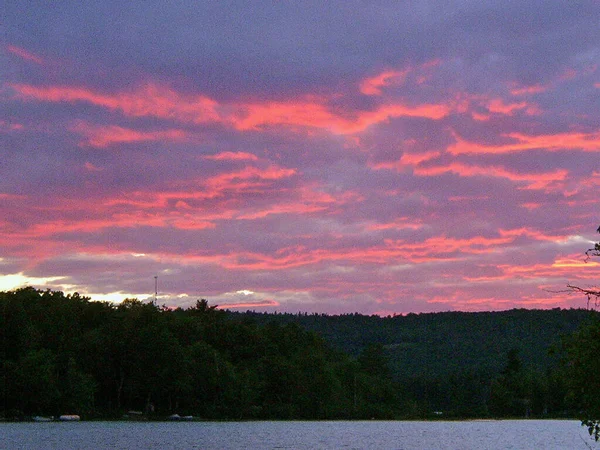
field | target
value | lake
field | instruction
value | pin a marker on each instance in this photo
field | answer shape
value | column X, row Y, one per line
column 480, row 435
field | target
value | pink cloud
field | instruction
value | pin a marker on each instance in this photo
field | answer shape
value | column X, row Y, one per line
column 24, row 54
column 317, row 115
column 162, row 102
column 586, row 142
column 310, row 201
column 92, row 168
column 560, row 267
column 467, row 302
column 531, row 205
column 226, row 186
column 104, row 136
column 399, row 224
column 10, row 126
column 483, row 108
column 517, row 90
column 407, row 160
column 165, row 210
column 422, row 73
column 250, row 305
column 150, row 100
column 96, row 219
column 250, row 176
column 232, row 156
column 434, row 249
column 497, row 105
column 531, row 180
column 373, row 85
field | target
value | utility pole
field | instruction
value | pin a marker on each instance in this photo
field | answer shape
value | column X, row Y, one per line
column 155, row 288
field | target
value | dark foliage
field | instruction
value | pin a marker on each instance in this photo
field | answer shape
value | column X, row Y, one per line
column 500, row 364
column 582, row 363
column 67, row 354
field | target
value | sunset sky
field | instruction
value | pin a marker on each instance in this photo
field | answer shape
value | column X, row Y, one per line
column 340, row 156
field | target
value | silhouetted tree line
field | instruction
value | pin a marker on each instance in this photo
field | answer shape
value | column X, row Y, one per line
column 67, row 354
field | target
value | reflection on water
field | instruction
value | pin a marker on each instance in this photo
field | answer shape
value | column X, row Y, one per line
column 496, row 435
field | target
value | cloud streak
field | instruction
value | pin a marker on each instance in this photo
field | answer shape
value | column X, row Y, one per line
column 164, row 103
column 24, row 54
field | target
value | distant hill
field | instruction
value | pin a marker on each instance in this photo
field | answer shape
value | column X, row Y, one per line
column 431, row 345
column 62, row 353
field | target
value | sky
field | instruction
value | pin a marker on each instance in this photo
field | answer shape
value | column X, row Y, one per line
column 334, row 157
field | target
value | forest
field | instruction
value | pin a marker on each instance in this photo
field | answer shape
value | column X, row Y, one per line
column 67, row 354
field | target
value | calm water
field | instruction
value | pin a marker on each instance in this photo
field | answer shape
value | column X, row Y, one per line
column 496, row 435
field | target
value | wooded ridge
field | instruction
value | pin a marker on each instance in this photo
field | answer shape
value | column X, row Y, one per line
column 66, row 354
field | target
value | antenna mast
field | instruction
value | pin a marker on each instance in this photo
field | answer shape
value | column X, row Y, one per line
column 155, row 287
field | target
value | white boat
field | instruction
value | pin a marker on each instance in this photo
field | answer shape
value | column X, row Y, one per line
column 42, row 419
column 69, row 418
